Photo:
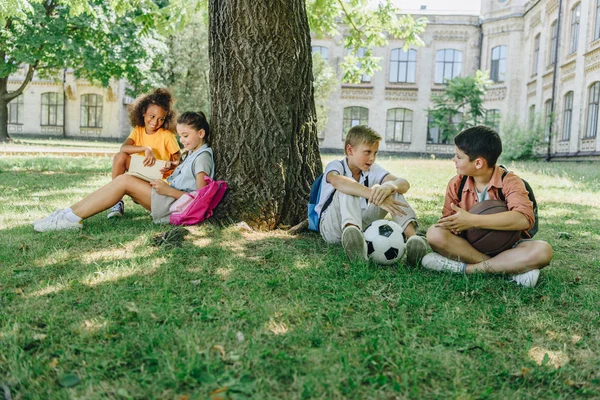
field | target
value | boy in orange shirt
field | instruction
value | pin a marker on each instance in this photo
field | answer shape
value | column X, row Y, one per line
column 477, row 150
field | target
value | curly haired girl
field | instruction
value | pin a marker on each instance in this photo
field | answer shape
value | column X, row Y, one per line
column 152, row 118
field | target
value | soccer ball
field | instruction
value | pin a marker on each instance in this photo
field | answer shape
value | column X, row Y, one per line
column 385, row 241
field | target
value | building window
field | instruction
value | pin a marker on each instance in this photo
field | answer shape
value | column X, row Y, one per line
column 399, row 125
column 592, row 119
column 323, row 51
column 492, row 119
column 531, row 116
column 547, row 119
column 15, row 110
column 435, row 134
column 498, row 63
column 403, row 66
column 361, row 53
column 597, row 26
column 567, row 116
column 536, row 53
column 575, row 19
column 448, row 64
column 91, row 111
column 553, row 40
column 355, row 116
column 52, row 109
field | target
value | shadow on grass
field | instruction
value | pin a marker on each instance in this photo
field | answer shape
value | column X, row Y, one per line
column 271, row 315
column 266, row 313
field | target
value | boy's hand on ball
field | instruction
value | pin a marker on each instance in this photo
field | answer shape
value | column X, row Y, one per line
column 458, row 222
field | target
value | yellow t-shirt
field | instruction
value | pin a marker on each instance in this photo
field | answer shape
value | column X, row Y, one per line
column 163, row 142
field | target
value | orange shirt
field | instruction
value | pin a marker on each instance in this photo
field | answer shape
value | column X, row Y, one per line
column 512, row 186
column 162, row 142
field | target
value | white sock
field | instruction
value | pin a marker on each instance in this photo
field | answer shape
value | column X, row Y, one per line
column 70, row 216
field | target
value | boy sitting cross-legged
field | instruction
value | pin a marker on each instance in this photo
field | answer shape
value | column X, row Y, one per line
column 477, row 150
column 356, row 191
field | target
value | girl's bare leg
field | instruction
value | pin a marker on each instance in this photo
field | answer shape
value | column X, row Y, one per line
column 109, row 194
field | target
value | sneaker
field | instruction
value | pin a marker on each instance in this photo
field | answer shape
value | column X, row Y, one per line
column 55, row 212
column 354, row 244
column 437, row 262
column 56, row 222
column 117, row 210
column 527, row 279
column 416, row 248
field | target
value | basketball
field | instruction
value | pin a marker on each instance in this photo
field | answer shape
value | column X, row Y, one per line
column 491, row 242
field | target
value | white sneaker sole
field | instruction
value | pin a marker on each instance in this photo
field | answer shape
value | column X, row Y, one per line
column 354, row 244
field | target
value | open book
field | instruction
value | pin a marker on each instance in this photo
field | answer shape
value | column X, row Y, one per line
column 137, row 168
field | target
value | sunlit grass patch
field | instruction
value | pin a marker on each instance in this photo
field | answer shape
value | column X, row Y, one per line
column 286, row 316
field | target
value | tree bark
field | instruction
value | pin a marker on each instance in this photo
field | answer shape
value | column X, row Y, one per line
column 263, row 114
column 6, row 97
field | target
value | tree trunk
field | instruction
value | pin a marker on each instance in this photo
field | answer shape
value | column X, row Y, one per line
column 263, row 113
column 4, row 136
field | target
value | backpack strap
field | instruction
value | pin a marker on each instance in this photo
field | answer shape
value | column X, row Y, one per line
column 330, row 199
column 500, row 194
column 461, row 187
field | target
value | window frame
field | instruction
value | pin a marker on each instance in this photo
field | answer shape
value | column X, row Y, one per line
column 320, row 51
column 86, row 107
column 498, row 65
column 445, row 63
column 496, row 115
column 16, row 108
column 553, row 41
column 567, row 116
column 347, row 123
column 409, row 65
column 52, row 109
column 547, row 119
column 591, row 130
column 406, row 128
column 575, row 25
column 597, row 24
column 536, row 54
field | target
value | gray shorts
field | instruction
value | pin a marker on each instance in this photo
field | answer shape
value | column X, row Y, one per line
column 159, row 207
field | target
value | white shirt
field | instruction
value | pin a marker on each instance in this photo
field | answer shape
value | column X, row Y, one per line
column 374, row 176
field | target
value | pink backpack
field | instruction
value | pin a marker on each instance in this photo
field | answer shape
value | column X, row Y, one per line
column 193, row 208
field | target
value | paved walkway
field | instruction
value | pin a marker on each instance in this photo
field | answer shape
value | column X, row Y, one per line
column 55, row 150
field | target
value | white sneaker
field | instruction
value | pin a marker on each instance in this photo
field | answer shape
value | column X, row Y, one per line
column 60, row 210
column 437, row 262
column 416, row 249
column 527, row 279
column 354, row 244
column 117, row 210
column 56, row 222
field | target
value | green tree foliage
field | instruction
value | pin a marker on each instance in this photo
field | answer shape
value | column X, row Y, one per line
column 523, row 141
column 186, row 68
column 98, row 41
column 324, row 81
column 368, row 26
column 460, row 106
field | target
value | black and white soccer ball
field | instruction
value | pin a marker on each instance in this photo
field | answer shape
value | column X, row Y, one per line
column 385, row 241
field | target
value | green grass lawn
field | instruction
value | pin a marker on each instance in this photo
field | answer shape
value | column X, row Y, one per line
column 235, row 314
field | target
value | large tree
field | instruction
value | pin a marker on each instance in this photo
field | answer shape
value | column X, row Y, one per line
column 93, row 38
column 262, row 100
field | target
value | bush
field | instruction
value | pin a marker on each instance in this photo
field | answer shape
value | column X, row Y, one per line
column 520, row 142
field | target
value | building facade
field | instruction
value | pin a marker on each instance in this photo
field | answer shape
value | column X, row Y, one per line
column 543, row 56
column 71, row 108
